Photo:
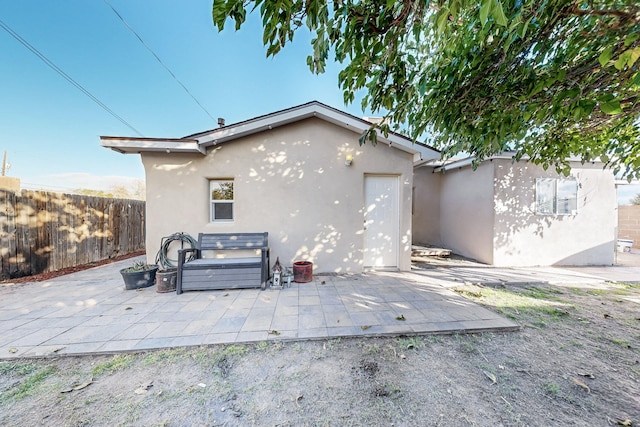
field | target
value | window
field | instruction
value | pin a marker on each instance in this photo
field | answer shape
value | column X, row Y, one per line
column 556, row 196
column 221, row 191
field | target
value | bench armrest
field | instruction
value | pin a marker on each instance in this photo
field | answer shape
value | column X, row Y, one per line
column 182, row 255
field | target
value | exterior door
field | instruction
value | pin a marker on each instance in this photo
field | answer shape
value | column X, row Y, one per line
column 381, row 223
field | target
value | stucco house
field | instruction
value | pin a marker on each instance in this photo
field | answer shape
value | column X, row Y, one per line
column 298, row 174
column 508, row 213
column 301, row 175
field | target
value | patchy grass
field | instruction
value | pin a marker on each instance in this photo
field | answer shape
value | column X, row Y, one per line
column 537, row 305
column 410, row 343
column 621, row 342
column 114, row 364
column 164, row 356
column 30, row 385
column 19, row 368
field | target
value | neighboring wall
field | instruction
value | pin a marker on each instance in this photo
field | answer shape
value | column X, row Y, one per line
column 629, row 223
column 426, row 206
column 524, row 238
column 466, row 212
column 291, row 182
column 42, row 232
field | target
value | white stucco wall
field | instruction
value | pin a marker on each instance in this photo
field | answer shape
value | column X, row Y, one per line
column 291, row 182
column 466, row 212
column 524, row 238
column 426, row 206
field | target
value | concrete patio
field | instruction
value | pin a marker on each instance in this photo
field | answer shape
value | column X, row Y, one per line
column 90, row 312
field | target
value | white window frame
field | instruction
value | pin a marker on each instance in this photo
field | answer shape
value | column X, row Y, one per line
column 213, row 202
column 553, row 199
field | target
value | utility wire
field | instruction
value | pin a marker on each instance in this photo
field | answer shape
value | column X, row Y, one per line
column 65, row 75
column 158, row 59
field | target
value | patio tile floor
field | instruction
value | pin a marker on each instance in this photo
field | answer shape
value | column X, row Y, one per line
column 90, row 312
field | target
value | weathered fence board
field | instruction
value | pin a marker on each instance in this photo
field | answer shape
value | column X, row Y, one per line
column 42, row 231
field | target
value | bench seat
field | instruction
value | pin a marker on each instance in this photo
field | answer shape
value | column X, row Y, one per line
column 224, row 273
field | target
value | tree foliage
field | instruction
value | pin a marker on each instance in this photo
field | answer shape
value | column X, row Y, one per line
column 636, row 200
column 549, row 79
column 136, row 191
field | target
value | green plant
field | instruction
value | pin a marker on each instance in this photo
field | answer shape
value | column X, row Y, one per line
column 552, row 388
column 139, row 266
column 410, row 343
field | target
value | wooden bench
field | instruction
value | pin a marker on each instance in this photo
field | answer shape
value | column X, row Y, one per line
column 197, row 272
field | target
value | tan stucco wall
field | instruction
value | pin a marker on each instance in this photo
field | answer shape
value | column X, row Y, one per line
column 523, row 238
column 629, row 224
column 426, row 206
column 466, row 212
column 291, row 182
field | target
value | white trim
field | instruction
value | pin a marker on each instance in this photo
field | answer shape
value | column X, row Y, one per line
column 138, row 145
column 199, row 143
column 314, row 109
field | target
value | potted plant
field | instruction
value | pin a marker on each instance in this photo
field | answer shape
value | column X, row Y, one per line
column 139, row 275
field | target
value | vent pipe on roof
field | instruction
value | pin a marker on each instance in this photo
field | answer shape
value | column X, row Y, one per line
column 220, row 121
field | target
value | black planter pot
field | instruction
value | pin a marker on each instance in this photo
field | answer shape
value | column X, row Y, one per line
column 139, row 279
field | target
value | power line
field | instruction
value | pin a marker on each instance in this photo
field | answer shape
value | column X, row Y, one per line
column 158, row 59
column 65, row 75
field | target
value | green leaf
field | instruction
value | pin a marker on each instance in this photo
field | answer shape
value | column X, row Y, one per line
column 442, row 20
column 634, row 54
column 498, row 14
column 622, row 61
column 485, row 9
column 605, row 56
column 636, row 79
column 611, row 107
column 630, row 39
column 523, row 30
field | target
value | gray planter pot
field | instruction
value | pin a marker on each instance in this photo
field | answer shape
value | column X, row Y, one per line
column 139, row 279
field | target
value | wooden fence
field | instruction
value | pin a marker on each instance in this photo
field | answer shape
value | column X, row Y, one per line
column 42, row 231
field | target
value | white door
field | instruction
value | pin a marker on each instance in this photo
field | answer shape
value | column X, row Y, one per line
column 381, row 224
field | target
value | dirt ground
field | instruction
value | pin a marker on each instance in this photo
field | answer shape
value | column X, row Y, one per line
column 576, row 361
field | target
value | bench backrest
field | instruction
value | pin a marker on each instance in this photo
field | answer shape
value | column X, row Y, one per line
column 231, row 241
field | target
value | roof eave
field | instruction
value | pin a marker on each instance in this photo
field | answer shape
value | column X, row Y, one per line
column 313, row 109
column 141, row 145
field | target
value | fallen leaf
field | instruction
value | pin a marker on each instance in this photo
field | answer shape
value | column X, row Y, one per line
column 128, row 308
column 13, row 350
column 606, row 316
column 365, row 327
column 581, row 384
column 586, row 374
column 273, row 332
column 323, row 283
column 77, row 387
column 491, row 377
column 144, row 387
column 226, row 295
column 401, row 317
column 402, row 356
column 626, row 423
column 298, row 398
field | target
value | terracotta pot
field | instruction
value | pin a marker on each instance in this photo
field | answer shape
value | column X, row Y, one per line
column 166, row 280
column 302, row 271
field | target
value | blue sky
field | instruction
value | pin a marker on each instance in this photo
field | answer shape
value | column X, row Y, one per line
column 50, row 129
